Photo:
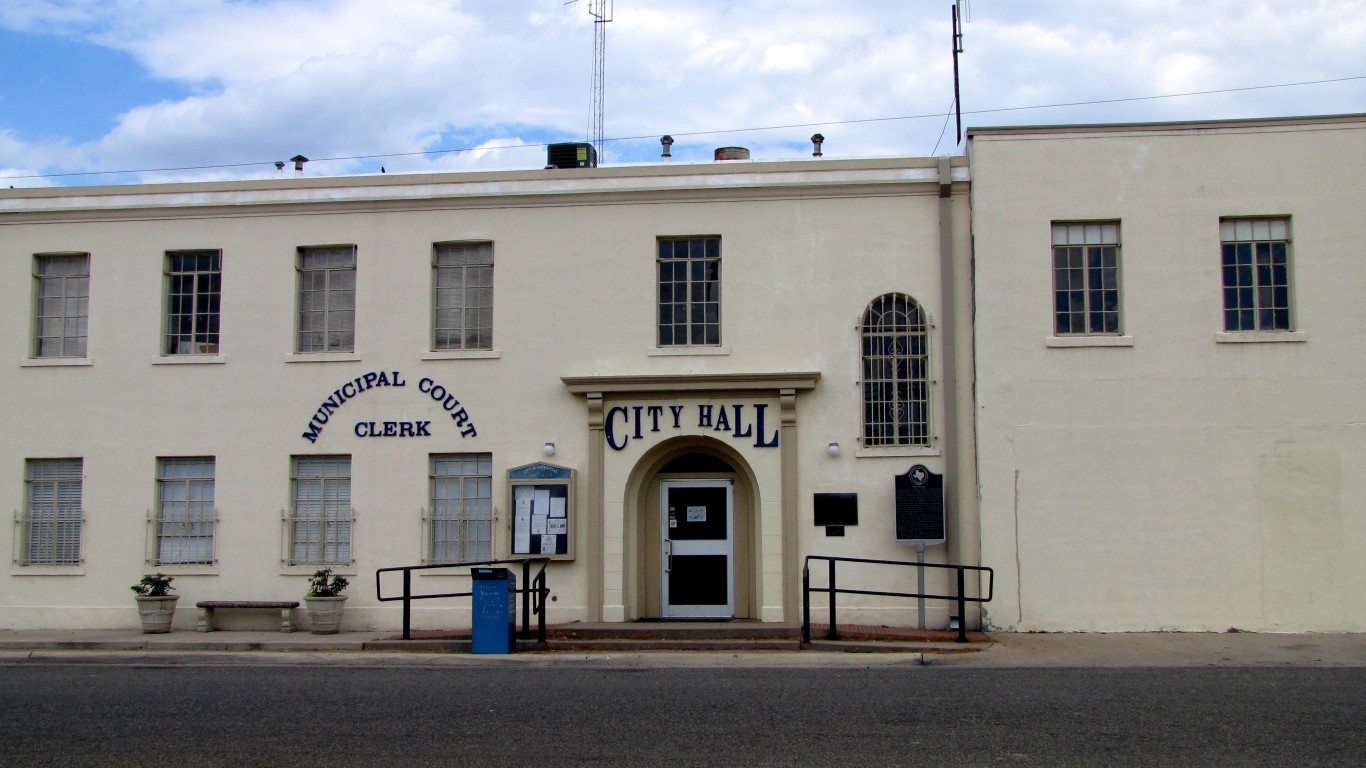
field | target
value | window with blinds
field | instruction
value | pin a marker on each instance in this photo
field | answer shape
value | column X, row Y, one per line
column 320, row 521
column 54, row 515
column 62, row 298
column 186, row 517
column 462, row 296
column 327, row 299
column 461, row 520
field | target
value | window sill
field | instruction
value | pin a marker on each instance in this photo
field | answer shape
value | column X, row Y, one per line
column 186, row 570
column 897, row 451
column 47, row 570
column 1088, row 341
column 55, row 362
column 347, row 570
column 190, row 360
column 462, row 354
column 680, row 351
column 322, row 357
column 1259, row 337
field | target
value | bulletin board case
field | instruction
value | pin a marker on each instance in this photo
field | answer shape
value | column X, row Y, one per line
column 542, row 504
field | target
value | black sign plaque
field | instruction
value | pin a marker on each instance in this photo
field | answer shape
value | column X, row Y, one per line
column 920, row 506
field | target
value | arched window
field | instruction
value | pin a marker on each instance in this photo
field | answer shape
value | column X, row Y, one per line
column 896, row 375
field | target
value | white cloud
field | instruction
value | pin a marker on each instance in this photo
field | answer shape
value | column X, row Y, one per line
column 339, row 78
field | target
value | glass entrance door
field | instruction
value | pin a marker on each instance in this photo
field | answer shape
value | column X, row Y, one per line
column 698, row 536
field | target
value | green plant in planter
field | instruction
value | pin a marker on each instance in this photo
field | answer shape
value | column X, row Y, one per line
column 154, row 585
column 324, row 583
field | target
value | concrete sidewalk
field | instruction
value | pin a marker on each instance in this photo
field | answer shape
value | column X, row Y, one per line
column 378, row 649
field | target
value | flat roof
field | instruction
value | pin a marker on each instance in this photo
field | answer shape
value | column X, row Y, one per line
column 1177, row 125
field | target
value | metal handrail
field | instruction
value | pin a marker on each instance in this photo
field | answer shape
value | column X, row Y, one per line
column 961, row 598
column 533, row 591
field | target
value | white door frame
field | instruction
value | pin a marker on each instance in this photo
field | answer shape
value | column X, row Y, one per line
column 686, row 547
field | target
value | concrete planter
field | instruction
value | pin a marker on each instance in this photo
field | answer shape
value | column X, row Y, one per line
column 156, row 613
column 325, row 614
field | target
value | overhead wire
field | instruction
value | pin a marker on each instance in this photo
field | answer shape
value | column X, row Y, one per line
column 716, row 132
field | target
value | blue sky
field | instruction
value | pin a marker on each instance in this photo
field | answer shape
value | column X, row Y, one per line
column 128, row 86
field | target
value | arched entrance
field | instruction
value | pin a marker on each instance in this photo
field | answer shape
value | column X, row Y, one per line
column 692, row 532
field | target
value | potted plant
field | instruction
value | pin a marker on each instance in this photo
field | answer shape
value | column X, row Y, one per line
column 156, row 604
column 325, row 601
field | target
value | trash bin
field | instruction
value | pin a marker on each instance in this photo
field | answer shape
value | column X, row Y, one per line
column 494, row 625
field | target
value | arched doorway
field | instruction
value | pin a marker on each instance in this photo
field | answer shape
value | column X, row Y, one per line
column 692, row 532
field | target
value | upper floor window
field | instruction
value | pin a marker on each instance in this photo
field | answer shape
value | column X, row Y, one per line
column 1256, row 271
column 1086, row 278
column 53, row 512
column 194, row 284
column 462, row 300
column 185, row 511
column 896, row 373
column 62, row 298
column 327, row 299
column 689, row 291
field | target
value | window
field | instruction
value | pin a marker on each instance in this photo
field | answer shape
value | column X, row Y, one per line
column 327, row 299
column 1256, row 268
column 1086, row 278
column 320, row 527
column 194, row 284
column 690, row 291
column 185, row 512
column 54, row 514
column 461, row 522
column 63, row 297
column 462, row 284
column 896, row 362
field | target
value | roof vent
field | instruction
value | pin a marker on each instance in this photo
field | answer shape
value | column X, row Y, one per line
column 578, row 154
column 731, row 153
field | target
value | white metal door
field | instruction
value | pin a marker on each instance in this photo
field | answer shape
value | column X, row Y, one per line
column 697, row 528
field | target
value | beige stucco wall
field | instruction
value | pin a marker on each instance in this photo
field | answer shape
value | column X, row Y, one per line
column 1185, row 481
column 805, row 247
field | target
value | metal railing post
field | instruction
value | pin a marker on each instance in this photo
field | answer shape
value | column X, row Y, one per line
column 806, row 603
column 526, row 598
column 831, row 634
column 543, row 593
column 407, row 604
column 962, row 609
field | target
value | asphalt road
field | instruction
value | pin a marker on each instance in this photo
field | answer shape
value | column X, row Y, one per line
column 75, row 715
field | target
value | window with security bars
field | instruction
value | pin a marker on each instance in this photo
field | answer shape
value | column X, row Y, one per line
column 689, row 291
column 896, row 373
column 194, row 284
column 320, row 523
column 462, row 301
column 62, row 299
column 327, row 299
column 1086, row 278
column 54, row 515
column 1256, row 269
column 461, row 522
column 186, row 517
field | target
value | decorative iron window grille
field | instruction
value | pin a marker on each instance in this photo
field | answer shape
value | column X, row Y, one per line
column 896, row 363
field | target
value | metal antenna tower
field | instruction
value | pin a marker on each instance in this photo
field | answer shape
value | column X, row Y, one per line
column 601, row 11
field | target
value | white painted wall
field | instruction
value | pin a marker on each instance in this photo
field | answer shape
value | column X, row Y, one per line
column 1183, row 482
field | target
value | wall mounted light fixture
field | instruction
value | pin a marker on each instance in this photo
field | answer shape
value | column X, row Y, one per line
column 548, row 449
column 833, row 449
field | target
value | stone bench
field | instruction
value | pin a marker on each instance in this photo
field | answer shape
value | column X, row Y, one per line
column 285, row 607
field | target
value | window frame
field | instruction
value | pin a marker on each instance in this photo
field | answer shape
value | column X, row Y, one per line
column 1087, row 235
column 330, row 314
column 68, row 472
column 1235, row 231
column 441, row 522
column 463, row 327
column 329, row 526
column 196, row 529
column 667, row 305
column 874, row 425
column 200, row 341
column 81, row 335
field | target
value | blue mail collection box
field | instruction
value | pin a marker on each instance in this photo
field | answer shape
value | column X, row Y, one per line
column 494, row 625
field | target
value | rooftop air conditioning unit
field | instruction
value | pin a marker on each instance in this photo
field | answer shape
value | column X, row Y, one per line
column 578, row 154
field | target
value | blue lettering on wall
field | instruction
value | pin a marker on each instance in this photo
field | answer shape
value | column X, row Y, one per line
column 367, row 381
column 623, row 424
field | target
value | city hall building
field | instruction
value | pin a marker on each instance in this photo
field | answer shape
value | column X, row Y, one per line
column 1129, row 352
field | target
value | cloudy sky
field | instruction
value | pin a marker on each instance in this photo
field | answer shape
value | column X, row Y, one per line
column 134, row 86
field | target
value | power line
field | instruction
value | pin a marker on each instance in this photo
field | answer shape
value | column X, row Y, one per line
column 717, row 132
